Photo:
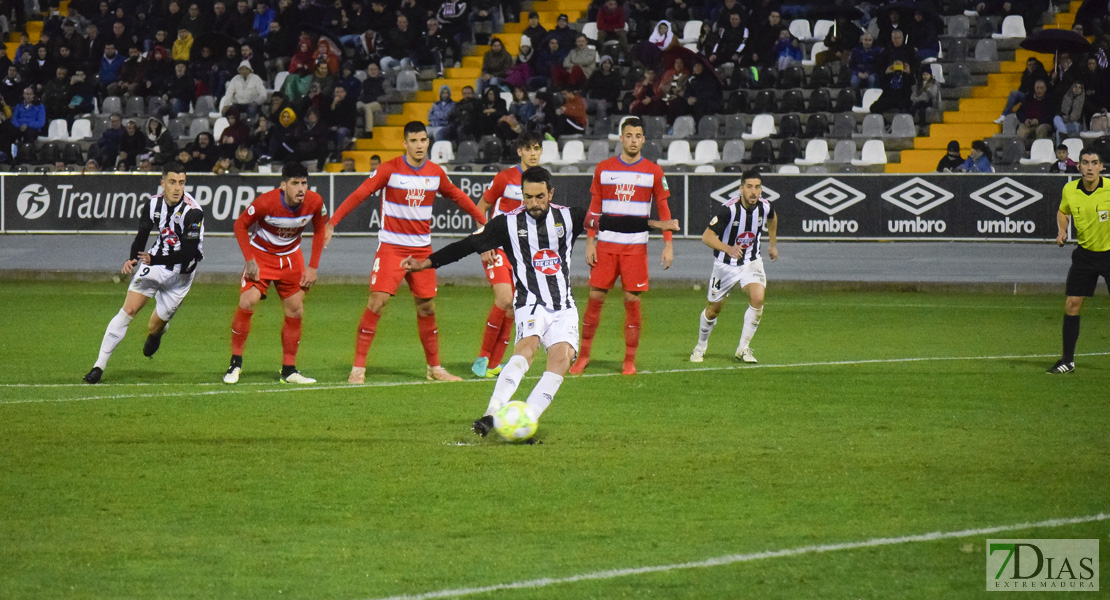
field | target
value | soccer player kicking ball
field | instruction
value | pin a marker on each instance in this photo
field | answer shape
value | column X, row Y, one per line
column 504, row 196
column 537, row 238
column 733, row 234
column 269, row 234
column 165, row 272
column 623, row 185
column 411, row 183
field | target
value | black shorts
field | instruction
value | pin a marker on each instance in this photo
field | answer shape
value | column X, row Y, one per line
column 1086, row 266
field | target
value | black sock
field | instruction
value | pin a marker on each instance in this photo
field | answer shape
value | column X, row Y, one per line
column 236, row 361
column 287, row 370
column 1071, row 335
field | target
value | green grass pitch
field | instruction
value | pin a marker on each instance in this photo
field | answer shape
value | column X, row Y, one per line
column 164, row 483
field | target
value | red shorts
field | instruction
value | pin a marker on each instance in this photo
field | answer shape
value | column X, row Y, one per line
column 631, row 268
column 387, row 274
column 499, row 271
column 283, row 271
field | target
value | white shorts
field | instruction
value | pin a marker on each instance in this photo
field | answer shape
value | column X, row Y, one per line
column 166, row 287
column 550, row 326
column 724, row 277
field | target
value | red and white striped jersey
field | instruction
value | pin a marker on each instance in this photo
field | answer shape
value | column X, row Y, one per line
column 623, row 189
column 270, row 226
column 505, row 194
column 407, row 202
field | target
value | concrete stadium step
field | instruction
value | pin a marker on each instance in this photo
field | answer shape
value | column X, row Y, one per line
column 975, row 116
column 470, row 73
column 362, row 161
column 958, row 131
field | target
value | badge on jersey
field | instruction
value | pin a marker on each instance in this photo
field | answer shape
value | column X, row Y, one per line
column 713, row 222
column 560, row 230
column 250, row 210
column 665, row 186
column 1103, row 216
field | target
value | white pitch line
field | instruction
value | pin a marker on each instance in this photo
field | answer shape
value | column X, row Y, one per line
column 283, row 389
column 743, row 558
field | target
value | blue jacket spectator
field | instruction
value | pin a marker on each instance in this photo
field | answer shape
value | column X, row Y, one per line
column 110, row 65
column 440, row 111
column 29, row 116
column 863, row 63
column 263, row 15
column 979, row 161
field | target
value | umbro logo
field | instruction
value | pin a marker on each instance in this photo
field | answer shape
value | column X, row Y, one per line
column 831, row 196
column 1006, row 196
column 917, row 196
column 730, row 191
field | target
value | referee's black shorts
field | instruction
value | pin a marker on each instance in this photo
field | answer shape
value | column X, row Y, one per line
column 1086, row 267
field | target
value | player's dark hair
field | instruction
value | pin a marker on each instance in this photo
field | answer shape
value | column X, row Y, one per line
column 173, row 167
column 536, row 175
column 414, row 127
column 631, row 122
column 293, row 170
column 751, row 174
column 1090, row 150
column 529, row 139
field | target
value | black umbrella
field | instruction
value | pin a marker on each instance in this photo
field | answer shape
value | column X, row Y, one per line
column 1056, row 40
column 217, row 42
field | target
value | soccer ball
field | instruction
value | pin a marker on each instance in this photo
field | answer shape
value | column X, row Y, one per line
column 513, row 423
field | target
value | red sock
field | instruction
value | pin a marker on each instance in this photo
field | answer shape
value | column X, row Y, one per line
column 240, row 328
column 589, row 325
column 494, row 322
column 290, row 340
column 429, row 337
column 632, row 321
column 366, row 329
column 502, row 340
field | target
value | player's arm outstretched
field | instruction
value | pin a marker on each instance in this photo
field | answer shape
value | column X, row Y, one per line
column 459, row 197
column 492, row 235
column 369, row 187
column 586, row 220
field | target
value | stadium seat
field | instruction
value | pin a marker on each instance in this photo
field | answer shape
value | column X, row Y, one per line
column 734, row 127
column 178, row 127
column 1075, row 146
column 218, row 128
column 957, row 50
column 199, row 126
column 112, row 105
column 652, row 150
column 764, row 102
column 817, row 126
column 762, row 126
column 959, row 75
column 490, row 149
column 737, row 102
column 793, row 101
column 763, row 152
column 869, row 98
column 790, row 126
column 574, row 152
column 71, row 154
column 986, row 50
column 407, row 82
column 597, row 152
column 1012, row 151
column 817, row 48
column 136, row 107
column 690, row 32
column 569, row 169
column 550, row 154
column 1042, row 152
column 589, row 30
column 706, row 152
column 1013, row 26
column 872, row 128
column 468, row 152
column 279, row 80
column 733, row 152
column 789, row 170
column 709, row 127
column 153, row 106
column 845, row 100
column 820, row 77
column 57, row 130
column 603, row 126
column 844, row 125
column 793, row 76
column 705, row 169
column 937, row 70
column 655, row 127
column 790, row 150
column 957, row 26
column 50, row 153
column 821, row 29
column 817, row 152
column 678, row 153
column 873, row 153
column 800, row 29
column 204, row 106
column 442, row 152
column 683, row 128
column 820, row 101
column 901, row 126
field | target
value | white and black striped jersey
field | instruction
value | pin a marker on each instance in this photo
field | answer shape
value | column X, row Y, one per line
column 180, row 233
column 737, row 226
column 540, row 249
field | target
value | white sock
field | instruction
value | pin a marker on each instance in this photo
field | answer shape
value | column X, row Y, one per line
column 507, row 383
column 705, row 329
column 117, row 328
column 751, row 323
column 543, row 393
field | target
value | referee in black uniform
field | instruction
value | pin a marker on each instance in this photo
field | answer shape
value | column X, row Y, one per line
column 1086, row 203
